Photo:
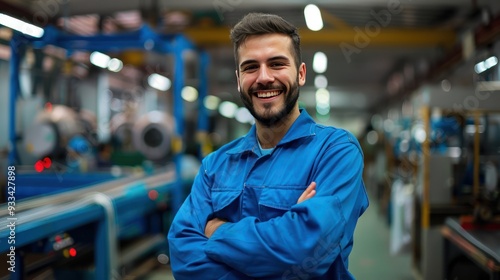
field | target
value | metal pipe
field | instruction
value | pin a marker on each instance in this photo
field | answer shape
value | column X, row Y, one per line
column 109, row 237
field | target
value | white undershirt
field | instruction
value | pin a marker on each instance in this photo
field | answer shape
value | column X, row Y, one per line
column 264, row 152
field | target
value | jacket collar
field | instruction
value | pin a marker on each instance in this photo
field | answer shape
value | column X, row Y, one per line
column 302, row 127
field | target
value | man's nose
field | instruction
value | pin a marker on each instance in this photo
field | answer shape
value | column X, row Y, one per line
column 265, row 75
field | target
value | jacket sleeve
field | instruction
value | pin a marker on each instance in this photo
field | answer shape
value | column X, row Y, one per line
column 187, row 240
column 308, row 237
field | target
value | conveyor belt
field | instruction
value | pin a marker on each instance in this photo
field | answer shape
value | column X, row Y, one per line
column 51, row 207
column 111, row 188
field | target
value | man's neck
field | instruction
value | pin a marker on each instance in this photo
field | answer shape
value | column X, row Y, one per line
column 270, row 136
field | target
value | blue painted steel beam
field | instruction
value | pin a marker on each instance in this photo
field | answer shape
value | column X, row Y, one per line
column 144, row 39
column 203, row 92
column 177, row 193
column 17, row 48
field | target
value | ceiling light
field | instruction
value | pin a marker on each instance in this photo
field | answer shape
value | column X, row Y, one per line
column 485, row 65
column 372, row 137
column 480, row 68
column 320, row 62
column 490, row 62
column 419, row 134
column 159, row 82
column 189, row 94
column 323, row 96
column 228, row 109
column 99, row 59
column 320, row 81
column 115, row 65
column 313, row 18
column 243, row 115
column 211, row 102
column 322, row 109
column 21, row 26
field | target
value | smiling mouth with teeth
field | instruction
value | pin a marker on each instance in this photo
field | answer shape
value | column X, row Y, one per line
column 268, row 94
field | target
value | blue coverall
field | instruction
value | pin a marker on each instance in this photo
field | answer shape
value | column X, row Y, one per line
column 268, row 235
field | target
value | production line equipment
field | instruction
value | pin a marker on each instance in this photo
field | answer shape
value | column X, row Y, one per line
column 102, row 231
column 151, row 134
column 61, row 134
column 99, row 226
column 458, row 168
column 158, row 134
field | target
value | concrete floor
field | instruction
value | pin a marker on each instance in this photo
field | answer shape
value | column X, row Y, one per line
column 370, row 258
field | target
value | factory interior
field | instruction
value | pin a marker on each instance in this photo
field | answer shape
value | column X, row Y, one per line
column 107, row 109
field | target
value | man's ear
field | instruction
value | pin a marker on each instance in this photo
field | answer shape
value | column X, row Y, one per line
column 238, row 79
column 302, row 74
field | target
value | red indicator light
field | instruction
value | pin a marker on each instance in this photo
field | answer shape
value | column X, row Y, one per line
column 48, row 106
column 72, row 252
column 39, row 166
column 47, row 162
column 58, row 238
column 153, row 194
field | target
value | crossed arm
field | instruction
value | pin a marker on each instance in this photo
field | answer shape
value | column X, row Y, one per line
column 321, row 225
column 215, row 223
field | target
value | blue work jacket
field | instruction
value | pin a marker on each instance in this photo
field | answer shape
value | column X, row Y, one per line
column 268, row 235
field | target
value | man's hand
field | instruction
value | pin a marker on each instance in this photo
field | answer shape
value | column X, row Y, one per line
column 212, row 226
column 308, row 193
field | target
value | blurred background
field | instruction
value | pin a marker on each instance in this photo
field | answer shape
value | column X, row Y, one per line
column 107, row 109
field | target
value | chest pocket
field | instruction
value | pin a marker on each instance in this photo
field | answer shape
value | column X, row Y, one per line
column 225, row 202
column 275, row 201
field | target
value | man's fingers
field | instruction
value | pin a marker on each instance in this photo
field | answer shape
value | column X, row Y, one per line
column 308, row 193
column 212, row 226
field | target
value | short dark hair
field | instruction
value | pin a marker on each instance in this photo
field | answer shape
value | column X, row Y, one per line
column 259, row 24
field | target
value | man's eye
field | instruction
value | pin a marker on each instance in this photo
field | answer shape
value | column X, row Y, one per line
column 250, row 67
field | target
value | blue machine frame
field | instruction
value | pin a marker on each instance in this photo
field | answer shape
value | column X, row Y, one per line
column 143, row 39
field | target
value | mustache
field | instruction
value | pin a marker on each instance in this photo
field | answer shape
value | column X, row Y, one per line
column 260, row 87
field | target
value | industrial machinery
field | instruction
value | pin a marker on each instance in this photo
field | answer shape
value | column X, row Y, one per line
column 62, row 135
column 457, row 169
column 89, row 232
column 85, row 228
column 152, row 135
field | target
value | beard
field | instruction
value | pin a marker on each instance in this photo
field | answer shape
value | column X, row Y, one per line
column 271, row 116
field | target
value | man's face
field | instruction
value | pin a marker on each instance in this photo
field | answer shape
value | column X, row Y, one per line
column 268, row 79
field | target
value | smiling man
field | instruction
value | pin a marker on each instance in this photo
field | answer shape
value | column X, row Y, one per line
column 283, row 201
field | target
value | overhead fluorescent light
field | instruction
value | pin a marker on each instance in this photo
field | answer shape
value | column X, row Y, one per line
column 313, row 18
column 486, row 64
column 320, row 81
column 99, row 59
column 320, row 62
column 228, row 109
column 159, row 82
column 211, row 102
column 115, row 65
column 21, row 26
column 189, row 94
column 244, row 116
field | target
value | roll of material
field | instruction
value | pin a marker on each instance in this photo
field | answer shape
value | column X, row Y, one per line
column 152, row 135
column 52, row 129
